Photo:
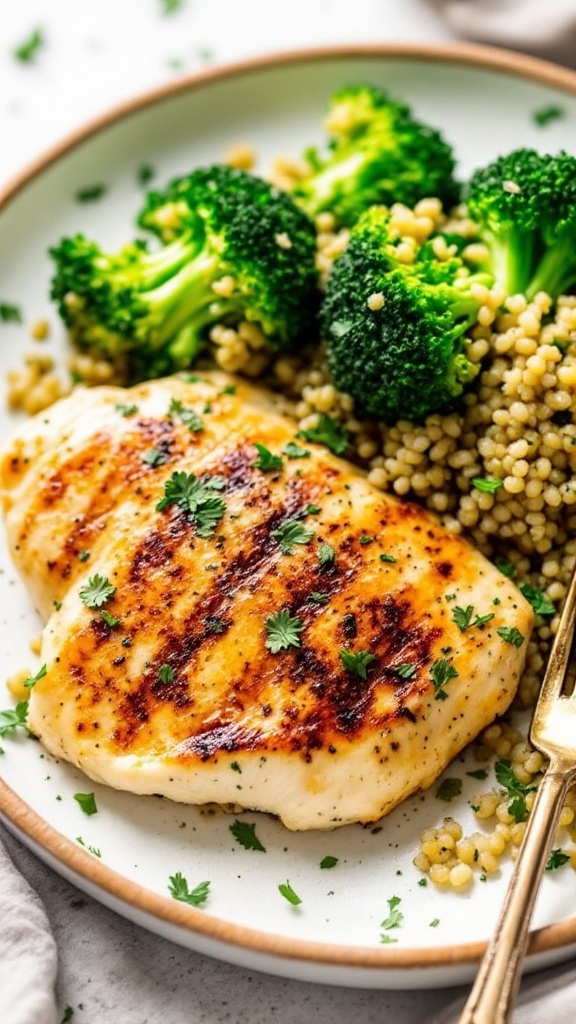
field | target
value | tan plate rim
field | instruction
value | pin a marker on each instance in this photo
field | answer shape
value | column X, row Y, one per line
column 24, row 819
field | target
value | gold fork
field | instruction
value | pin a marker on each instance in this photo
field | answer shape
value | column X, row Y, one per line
column 553, row 732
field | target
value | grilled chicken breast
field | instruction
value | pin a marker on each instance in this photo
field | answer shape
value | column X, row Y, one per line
column 272, row 633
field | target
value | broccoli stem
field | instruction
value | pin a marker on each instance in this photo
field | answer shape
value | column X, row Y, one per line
column 556, row 271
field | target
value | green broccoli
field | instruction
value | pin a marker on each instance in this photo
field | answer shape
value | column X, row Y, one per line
column 525, row 206
column 396, row 332
column 154, row 309
column 378, row 153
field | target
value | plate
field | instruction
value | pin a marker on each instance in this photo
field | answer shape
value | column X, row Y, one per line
column 484, row 100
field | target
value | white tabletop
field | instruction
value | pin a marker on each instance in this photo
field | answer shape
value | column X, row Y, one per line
column 93, row 55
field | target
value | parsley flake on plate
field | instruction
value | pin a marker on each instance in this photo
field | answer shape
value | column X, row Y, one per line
column 328, row 862
column 10, row 314
column 26, row 51
column 245, row 834
column 97, row 591
column 179, row 890
column 90, row 193
column 91, row 849
column 286, row 890
column 283, row 631
column 394, row 919
column 449, row 789
column 87, row 802
column 556, row 860
column 14, row 718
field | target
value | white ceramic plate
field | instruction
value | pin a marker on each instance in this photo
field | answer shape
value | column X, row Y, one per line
column 485, row 102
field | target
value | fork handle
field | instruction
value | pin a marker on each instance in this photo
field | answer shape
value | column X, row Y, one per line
column 492, row 997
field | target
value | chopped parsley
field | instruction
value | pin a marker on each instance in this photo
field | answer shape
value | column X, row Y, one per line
column 230, row 389
column 266, row 461
column 538, row 600
column 214, row 624
column 449, row 789
column 155, row 457
column 441, row 672
column 290, row 533
column 189, row 417
column 245, row 834
column 556, row 859
column 14, row 718
column 286, row 890
column 90, row 193
column 326, row 554
column 511, row 635
column 83, row 555
column 394, row 919
column 406, row 670
column 328, row 432
column 97, row 591
column 463, row 617
column 126, row 410
column 166, row 674
column 196, row 498
column 171, row 6
column 517, row 791
column 32, row 680
column 179, row 890
column 488, row 485
column 91, row 849
column 365, row 539
column 87, row 802
column 545, row 115
column 328, row 862
column 10, row 314
column 144, row 175
column 387, row 558
column 110, row 620
column 505, row 567
column 478, row 773
column 357, row 661
column 292, row 450
column 318, row 597
column 435, row 922
column 27, row 50
column 283, row 631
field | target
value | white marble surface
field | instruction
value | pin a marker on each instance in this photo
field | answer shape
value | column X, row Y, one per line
column 94, row 54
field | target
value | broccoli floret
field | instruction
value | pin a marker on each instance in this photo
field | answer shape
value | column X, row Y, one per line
column 396, row 332
column 240, row 250
column 525, row 206
column 378, row 153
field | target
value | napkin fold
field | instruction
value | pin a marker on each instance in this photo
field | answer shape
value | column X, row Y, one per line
column 546, row 996
column 544, row 29
column 28, row 957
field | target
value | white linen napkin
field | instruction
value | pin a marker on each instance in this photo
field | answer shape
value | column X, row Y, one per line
column 28, row 957
column 544, row 29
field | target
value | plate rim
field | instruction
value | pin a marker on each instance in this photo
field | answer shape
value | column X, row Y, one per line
column 30, row 824
column 479, row 55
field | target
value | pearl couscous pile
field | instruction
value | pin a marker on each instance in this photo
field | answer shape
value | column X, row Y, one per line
column 515, row 429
